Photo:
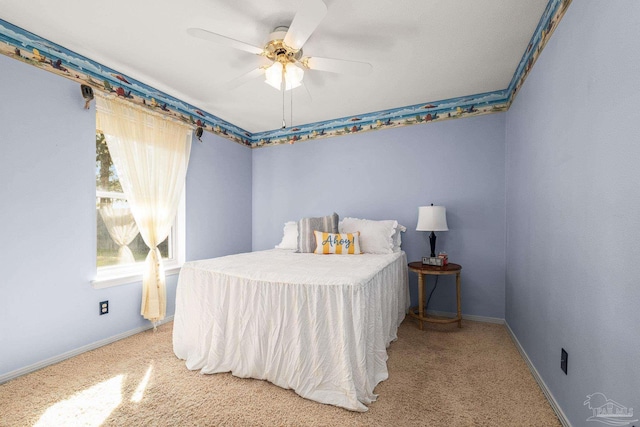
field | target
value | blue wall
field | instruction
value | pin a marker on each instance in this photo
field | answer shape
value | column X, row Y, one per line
column 387, row 175
column 47, row 219
column 218, row 198
column 573, row 208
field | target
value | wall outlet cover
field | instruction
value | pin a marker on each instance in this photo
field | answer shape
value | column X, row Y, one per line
column 564, row 359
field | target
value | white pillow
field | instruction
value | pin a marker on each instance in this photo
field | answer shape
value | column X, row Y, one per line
column 376, row 237
column 290, row 238
column 397, row 238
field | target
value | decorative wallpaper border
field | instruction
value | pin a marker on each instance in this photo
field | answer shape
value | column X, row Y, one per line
column 34, row 50
column 550, row 19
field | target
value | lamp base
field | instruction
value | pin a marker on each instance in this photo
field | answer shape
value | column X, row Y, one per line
column 432, row 243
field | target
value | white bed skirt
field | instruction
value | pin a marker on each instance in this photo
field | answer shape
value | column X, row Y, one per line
column 317, row 324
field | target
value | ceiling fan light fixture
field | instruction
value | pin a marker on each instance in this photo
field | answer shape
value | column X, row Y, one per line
column 290, row 72
column 293, row 76
column 273, row 75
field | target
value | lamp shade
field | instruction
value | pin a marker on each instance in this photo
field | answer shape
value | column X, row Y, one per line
column 432, row 218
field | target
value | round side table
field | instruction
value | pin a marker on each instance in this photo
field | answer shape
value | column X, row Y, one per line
column 422, row 270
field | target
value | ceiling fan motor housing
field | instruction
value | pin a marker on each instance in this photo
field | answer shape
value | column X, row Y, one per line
column 277, row 50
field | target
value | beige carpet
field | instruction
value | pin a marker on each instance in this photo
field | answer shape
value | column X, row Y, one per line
column 443, row 376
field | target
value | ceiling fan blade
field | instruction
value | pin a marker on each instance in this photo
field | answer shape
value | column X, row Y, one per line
column 227, row 41
column 239, row 81
column 341, row 66
column 307, row 19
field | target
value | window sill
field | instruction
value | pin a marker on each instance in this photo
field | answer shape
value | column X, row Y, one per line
column 123, row 278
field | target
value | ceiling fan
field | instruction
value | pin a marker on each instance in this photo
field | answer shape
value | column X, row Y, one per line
column 285, row 63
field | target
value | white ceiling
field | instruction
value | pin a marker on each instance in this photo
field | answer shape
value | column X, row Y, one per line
column 421, row 50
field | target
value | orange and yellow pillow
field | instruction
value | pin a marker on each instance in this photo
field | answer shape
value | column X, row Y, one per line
column 335, row 243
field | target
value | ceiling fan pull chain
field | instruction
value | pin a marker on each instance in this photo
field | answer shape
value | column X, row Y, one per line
column 291, row 110
column 284, row 125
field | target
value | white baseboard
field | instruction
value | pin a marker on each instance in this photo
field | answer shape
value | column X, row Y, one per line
column 552, row 401
column 56, row 359
column 473, row 317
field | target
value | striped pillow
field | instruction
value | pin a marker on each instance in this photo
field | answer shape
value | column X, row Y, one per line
column 332, row 243
column 306, row 227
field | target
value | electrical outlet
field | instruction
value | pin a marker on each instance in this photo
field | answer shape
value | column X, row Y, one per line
column 104, row 307
column 564, row 359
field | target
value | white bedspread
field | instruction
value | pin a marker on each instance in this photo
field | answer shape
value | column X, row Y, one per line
column 317, row 324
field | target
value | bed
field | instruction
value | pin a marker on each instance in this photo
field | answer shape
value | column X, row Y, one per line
column 317, row 324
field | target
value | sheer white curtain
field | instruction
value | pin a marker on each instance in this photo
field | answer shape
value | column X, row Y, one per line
column 122, row 228
column 151, row 154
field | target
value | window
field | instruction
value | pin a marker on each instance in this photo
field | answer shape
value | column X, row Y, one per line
column 120, row 249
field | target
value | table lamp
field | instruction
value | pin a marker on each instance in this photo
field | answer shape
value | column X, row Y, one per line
column 432, row 218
